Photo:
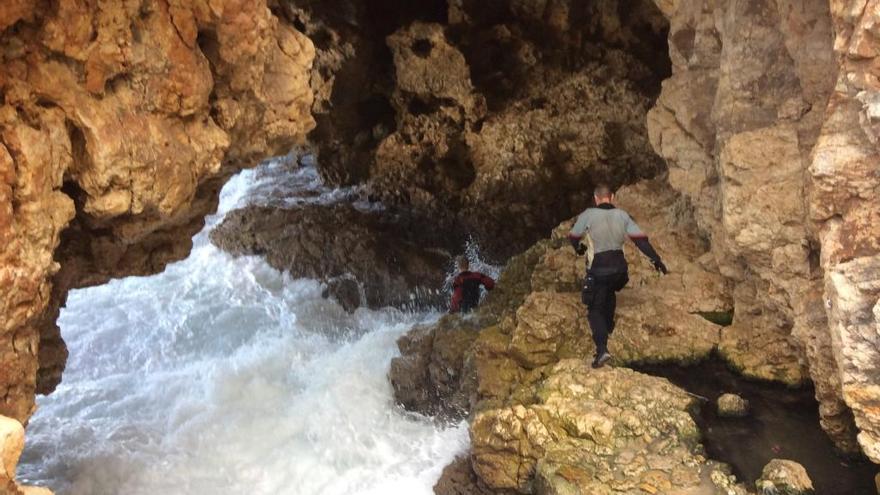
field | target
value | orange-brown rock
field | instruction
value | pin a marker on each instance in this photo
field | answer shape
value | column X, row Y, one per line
column 118, row 124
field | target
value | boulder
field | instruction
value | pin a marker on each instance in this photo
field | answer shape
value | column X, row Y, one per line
column 458, row 478
column 732, row 406
column 352, row 250
column 429, row 375
column 784, row 477
column 595, row 431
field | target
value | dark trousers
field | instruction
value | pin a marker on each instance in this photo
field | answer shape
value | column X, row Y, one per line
column 601, row 299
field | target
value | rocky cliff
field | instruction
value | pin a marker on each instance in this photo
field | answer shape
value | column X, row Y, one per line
column 493, row 119
column 766, row 125
column 497, row 121
column 119, row 121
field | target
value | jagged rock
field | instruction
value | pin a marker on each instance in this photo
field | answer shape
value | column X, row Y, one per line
column 732, row 406
column 844, row 204
column 430, row 375
column 118, row 125
column 388, row 256
column 599, row 432
column 493, row 122
column 458, row 478
column 346, row 291
column 772, row 152
column 784, row 477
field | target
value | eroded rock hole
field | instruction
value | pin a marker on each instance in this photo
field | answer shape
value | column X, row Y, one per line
column 422, row 47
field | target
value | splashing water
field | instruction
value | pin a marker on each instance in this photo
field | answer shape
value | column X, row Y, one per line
column 225, row 376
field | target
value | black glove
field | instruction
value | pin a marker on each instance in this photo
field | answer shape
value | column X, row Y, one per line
column 659, row 266
column 581, row 249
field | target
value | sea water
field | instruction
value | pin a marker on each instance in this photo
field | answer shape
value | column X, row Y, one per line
column 222, row 375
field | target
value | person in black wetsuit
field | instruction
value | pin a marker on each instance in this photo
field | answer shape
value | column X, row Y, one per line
column 466, row 287
column 608, row 228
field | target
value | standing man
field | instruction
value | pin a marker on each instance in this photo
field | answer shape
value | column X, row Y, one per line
column 466, row 287
column 608, row 228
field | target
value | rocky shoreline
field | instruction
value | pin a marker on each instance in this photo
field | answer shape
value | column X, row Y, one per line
column 747, row 132
column 541, row 421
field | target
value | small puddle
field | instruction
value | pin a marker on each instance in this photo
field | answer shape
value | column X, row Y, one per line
column 783, row 424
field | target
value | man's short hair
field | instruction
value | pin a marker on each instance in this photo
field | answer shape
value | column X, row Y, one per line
column 602, row 191
column 462, row 263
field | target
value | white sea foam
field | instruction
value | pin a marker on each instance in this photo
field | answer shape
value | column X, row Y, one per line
column 225, row 376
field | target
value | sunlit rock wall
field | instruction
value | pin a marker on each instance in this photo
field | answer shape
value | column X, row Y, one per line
column 766, row 125
column 119, row 122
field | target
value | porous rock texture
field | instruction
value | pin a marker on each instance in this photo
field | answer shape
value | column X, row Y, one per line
column 498, row 117
column 768, row 126
column 119, row 121
column 494, row 118
column 595, row 431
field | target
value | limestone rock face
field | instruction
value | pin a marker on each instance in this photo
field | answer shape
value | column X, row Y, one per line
column 496, row 121
column 785, row 478
column 587, row 431
column 846, row 209
column 118, row 125
column 777, row 157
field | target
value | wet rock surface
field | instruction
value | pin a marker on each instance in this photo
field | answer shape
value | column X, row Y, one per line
column 430, row 378
column 390, row 259
column 782, row 423
column 459, row 479
column 785, row 478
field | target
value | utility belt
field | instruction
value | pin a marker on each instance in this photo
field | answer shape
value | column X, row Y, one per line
column 613, row 282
